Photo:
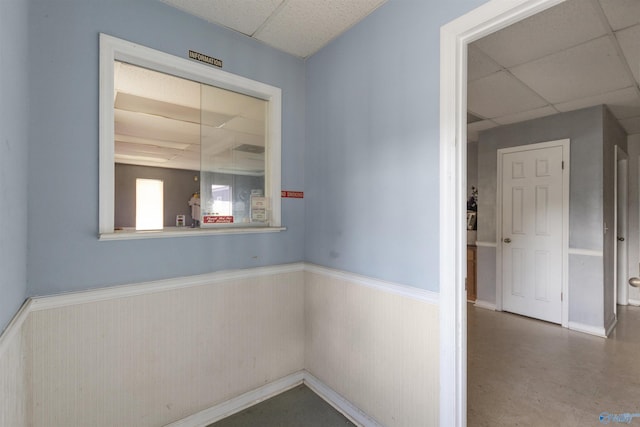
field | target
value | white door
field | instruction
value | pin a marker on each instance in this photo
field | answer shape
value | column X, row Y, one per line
column 532, row 232
column 621, row 255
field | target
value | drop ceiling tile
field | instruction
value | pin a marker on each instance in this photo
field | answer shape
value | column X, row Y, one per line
column 526, row 115
column 622, row 103
column 631, row 125
column 629, row 40
column 621, row 13
column 302, row 27
column 565, row 25
column 589, row 69
column 245, row 16
column 474, row 129
column 500, row 95
column 479, row 65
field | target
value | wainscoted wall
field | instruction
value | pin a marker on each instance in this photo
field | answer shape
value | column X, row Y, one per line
column 157, row 357
column 374, row 345
column 14, row 388
column 187, row 350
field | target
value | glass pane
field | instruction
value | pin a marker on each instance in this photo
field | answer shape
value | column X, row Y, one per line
column 232, row 157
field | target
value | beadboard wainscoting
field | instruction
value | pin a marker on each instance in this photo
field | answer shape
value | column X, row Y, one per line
column 158, row 357
column 14, row 386
column 192, row 350
column 375, row 344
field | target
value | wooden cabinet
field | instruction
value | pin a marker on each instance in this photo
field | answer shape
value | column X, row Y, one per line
column 471, row 273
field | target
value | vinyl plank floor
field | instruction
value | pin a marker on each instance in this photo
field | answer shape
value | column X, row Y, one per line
column 298, row 407
column 525, row 372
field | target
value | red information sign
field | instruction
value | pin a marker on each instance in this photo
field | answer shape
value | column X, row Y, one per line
column 292, row 194
column 211, row 219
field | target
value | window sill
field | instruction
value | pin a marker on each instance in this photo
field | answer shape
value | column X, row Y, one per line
column 185, row 232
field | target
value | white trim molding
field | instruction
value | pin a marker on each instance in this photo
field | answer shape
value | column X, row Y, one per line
column 585, row 252
column 454, row 38
column 485, row 304
column 486, row 244
column 253, row 397
column 598, row 331
column 634, row 302
column 342, row 405
column 394, row 288
column 124, row 291
column 128, row 290
column 239, row 403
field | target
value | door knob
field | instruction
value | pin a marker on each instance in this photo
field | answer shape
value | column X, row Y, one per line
column 635, row 282
column 621, row 239
column 507, row 240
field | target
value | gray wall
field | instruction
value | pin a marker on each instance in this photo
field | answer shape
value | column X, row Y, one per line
column 372, row 146
column 178, row 187
column 585, row 130
column 13, row 157
column 613, row 135
column 64, row 251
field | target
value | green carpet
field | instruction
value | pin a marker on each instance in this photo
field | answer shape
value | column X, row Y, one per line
column 298, row 407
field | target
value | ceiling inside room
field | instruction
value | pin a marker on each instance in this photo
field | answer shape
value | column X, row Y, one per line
column 166, row 121
column 298, row 27
column 577, row 54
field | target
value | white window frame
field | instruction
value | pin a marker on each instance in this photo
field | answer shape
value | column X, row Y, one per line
column 114, row 49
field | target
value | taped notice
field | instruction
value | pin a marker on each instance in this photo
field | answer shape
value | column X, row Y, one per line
column 211, row 219
column 292, row 194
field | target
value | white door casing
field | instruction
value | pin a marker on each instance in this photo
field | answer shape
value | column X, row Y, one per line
column 454, row 38
column 531, row 231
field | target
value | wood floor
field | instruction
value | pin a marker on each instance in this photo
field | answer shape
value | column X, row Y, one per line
column 525, row 372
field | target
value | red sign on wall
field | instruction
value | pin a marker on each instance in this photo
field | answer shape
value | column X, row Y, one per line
column 292, row 194
column 211, row 219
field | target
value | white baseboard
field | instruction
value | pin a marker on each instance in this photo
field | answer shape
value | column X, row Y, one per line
column 588, row 329
column 635, row 302
column 341, row 404
column 485, row 305
column 253, row 397
column 237, row 404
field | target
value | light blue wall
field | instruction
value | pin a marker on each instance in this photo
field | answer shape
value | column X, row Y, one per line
column 372, row 151
column 64, row 253
column 13, row 157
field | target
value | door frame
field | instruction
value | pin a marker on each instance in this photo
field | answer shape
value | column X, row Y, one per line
column 621, row 296
column 454, row 38
column 566, row 147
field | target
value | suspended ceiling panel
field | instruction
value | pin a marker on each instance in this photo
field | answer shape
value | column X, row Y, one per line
column 526, row 115
column 298, row 27
column 578, row 54
column 561, row 27
column 500, row 94
column 629, row 40
column 479, row 64
column 588, row 69
column 623, row 103
column 621, row 13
